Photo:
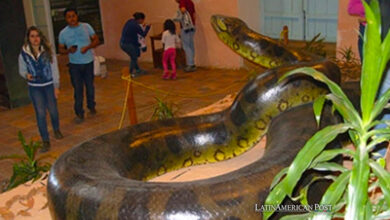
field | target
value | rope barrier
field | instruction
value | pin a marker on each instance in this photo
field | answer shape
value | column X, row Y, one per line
column 130, row 80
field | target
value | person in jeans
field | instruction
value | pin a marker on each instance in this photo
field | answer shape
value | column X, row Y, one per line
column 169, row 40
column 186, row 16
column 129, row 42
column 37, row 64
column 76, row 40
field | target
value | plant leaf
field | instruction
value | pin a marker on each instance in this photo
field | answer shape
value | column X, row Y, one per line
column 303, row 192
column 329, row 166
column 354, row 137
column 330, row 154
column 348, row 112
column 333, row 194
column 358, row 185
column 369, row 213
column 318, row 105
column 312, row 148
column 384, row 179
column 339, row 205
column 373, row 65
column 380, row 104
column 378, row 140
column 301, row 162
column 278, row 177
column 380, row 205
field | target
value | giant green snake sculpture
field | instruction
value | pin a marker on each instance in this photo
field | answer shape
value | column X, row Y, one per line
column 104, row 178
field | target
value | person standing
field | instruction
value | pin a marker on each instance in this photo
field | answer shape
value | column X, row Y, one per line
column 169, row 40
column 355, row 8
column 77, row 40
column 37, row 64
column 129, row 42
column 186, row 16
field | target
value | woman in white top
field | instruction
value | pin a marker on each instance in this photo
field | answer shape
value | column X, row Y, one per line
column 169, row 40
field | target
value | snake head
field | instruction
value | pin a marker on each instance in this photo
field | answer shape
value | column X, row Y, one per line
column 227, row 24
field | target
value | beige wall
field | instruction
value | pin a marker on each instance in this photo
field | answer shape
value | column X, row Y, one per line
column 249, row 11
column 210, row 51
column 348, row 27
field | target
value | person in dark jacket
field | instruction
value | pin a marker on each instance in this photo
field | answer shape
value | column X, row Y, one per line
column 129, row 41
column 37, row 64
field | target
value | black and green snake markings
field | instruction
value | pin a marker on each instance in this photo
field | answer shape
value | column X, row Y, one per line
column 255, row 47
column 104, row 178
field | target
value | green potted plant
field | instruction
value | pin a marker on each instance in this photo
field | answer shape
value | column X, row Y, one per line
column 162, row 110
column 349, row 193
column 28, row 166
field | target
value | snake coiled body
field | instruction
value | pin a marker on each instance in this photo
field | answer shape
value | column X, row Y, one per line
column 104, row 178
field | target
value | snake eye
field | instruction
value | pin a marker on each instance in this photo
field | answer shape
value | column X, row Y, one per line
column 221, row 25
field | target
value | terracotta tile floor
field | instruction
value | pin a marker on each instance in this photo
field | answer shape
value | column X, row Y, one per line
column 110, row 93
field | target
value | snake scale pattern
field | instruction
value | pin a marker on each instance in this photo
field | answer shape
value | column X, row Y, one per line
column 105, row 178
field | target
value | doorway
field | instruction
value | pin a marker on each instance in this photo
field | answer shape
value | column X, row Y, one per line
column 304, row 18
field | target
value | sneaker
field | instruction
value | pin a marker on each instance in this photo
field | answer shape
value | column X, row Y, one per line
column 92, row 111
column 173, row 76
column 140, row 71
column 190, row 68
column 79, row 119
column 45, row 147
column 58, row 134
column 165, row 76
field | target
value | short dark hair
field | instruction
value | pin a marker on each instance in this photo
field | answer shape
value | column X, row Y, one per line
column 70, row 9
column 139, row 15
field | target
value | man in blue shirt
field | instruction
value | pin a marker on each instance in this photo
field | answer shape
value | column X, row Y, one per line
column 129, row 41
column 76, row 40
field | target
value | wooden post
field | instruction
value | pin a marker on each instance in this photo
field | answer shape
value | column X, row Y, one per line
column 130, row 99
column 285, row 34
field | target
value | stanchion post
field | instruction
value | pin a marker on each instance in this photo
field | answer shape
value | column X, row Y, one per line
column 285, row 34
column 130, row 99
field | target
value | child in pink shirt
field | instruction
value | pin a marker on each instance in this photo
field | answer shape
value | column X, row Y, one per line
column 169, row 40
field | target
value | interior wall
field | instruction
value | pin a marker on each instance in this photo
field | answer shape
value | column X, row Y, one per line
column 348, row 28
column 208, row 47
column 209, row 50
column 249, row 11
